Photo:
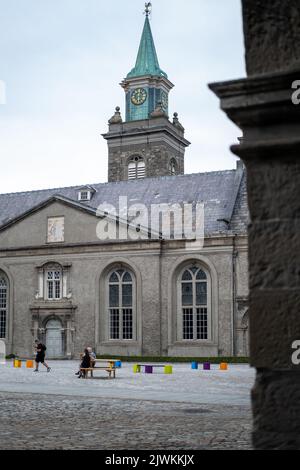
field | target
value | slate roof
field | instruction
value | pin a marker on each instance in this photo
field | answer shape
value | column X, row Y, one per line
column 223, row 194
column 240, row 217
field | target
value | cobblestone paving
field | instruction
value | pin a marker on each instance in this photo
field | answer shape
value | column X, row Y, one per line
column 57, row 422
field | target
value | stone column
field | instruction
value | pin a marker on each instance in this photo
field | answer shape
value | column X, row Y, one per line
column 41, row 291
column 262, row 107
column 69, row 340
column 35, row 329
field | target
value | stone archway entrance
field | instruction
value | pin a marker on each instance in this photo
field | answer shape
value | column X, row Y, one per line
column 54, row 340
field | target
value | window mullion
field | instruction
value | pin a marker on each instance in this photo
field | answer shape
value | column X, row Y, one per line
column 120, row 310
column 194, row 309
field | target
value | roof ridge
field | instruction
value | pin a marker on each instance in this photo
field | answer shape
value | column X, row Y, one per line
column 19, row 193
column 136, row 181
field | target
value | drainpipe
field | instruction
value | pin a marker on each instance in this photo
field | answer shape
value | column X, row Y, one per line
column 233, row 310
column 160, row 298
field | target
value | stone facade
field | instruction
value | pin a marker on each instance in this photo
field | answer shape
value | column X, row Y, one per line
column 85, row 262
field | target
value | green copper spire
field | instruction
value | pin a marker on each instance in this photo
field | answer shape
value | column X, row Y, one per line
column 147, row 61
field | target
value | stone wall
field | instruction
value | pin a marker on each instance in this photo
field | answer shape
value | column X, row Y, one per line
column 157, row 159
column 85, row 306
column 262, row 107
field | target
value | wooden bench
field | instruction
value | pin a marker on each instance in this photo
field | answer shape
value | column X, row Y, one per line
column 111, row 371
column 109, row 365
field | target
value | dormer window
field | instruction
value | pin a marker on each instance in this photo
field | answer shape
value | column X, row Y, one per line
column 85, row 193
column 136, row 168
column 84, row 196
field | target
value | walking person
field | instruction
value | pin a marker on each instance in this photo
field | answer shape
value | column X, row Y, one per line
column 40, row 349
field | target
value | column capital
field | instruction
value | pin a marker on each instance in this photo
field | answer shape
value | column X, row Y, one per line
column 259, row 105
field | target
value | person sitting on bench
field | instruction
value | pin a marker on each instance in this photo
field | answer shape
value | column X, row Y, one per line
column 92, row 356
column 85, row 363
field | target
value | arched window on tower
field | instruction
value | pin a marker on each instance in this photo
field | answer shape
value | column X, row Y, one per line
column 136, row 168
column 3, row 305
column 194, row 304
column 173, row 167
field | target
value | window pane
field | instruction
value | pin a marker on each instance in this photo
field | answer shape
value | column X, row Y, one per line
column 127, row 323
column 50, row 290
column 114, row 278
column 84, row 196
column 187, row 293
column 187, row 323
column 3, row 295
column 201, row 275
column 127, row 295
column 202, row 327
column 186, row 276
column 2, row 324
column 50, row 275
column 127, row 278
column 114, row 324
column 114, row 295
column 201, row 293
column 57, row 289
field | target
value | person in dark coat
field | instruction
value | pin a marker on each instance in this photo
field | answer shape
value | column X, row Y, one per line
column 40, row 349
column 85, row 363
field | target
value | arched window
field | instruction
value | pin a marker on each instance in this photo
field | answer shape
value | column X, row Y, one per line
column 136, row 168
column 173, row 167
column 121, row 305
column 53, row 282
column 3, row 305
column 194, row 304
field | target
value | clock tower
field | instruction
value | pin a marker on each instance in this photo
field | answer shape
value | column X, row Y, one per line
column 147, row 144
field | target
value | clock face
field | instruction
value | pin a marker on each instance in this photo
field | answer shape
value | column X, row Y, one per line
column 139, row 96
column 164, row 100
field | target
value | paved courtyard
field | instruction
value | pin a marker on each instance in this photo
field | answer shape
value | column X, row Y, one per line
column 186, row 410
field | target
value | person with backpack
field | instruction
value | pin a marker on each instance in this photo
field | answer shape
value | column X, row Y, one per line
column 40, row 356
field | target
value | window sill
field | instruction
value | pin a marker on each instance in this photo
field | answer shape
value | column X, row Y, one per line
column 194, row 342
column 119, row 342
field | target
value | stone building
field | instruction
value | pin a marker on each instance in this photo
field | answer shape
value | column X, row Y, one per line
column 139, row 295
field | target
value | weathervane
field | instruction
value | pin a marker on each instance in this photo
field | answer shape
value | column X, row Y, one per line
column 148, row 8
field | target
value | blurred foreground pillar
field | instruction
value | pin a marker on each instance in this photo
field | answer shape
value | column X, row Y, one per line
column 266, row 106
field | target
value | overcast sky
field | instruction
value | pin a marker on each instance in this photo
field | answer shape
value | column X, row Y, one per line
column 62, row 62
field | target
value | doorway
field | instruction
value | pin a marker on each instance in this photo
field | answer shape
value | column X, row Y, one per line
column 54, row 341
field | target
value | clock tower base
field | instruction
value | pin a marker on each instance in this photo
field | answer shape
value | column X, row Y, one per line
column 155, row 146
